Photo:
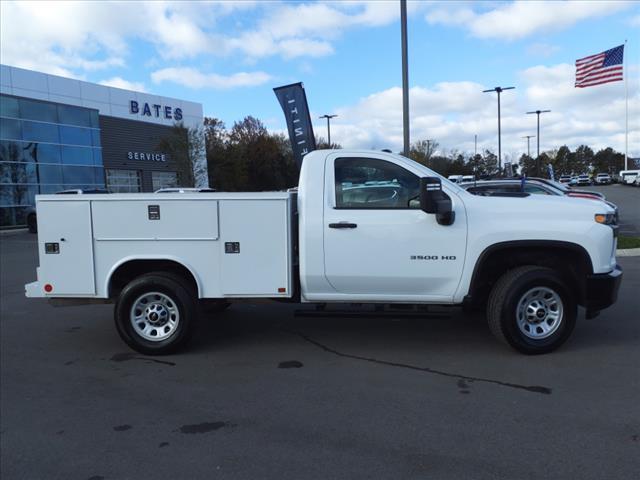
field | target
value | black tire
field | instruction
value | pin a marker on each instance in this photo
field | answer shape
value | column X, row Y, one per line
column 181, row 298
column 32, row 223
column 502, row 310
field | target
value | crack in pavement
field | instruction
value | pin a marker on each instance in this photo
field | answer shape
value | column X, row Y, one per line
column 528, row 388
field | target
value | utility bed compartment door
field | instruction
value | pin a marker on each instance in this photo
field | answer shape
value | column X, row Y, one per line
column 255, row 250
column 66, row 227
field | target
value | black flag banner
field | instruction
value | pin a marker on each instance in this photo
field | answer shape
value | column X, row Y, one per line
column 293, row 101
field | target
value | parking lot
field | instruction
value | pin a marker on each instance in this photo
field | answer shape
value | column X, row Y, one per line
column 265, row 393
column 627, row 198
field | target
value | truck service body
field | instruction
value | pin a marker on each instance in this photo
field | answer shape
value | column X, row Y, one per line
column 362, row 227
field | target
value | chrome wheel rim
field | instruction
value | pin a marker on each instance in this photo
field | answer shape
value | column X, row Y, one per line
column 539, row 313
column 154, row 316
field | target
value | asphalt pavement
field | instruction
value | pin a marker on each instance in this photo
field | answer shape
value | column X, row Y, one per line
column 263, row 393
column 627, row 198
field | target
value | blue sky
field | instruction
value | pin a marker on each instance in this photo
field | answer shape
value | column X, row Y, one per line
column 229, row 55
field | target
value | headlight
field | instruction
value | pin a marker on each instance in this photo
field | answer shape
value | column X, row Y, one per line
column 606, row 218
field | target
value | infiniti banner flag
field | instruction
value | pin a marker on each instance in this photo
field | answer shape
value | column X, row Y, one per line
column 293, row 101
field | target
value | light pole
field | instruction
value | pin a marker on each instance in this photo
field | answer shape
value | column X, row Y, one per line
column 499, row 90
column 538, row 112
column 405, row 77
column 475, row 145
column 528, row 149
column 328, row 117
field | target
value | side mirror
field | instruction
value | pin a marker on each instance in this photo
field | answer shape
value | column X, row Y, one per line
column 434, row 200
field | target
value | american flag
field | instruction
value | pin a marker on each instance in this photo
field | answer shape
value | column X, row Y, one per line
column 602, row 68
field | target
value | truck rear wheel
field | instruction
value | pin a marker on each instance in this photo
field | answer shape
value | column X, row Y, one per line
column 531, row 309
column 155, row 313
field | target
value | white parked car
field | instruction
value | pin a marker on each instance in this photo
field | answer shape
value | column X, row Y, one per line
column 363, row 227
column 603, row 179
column 628, row 177
column 582, row 180
column 455, row 178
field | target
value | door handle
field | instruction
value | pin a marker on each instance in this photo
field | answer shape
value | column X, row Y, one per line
column 343, row 225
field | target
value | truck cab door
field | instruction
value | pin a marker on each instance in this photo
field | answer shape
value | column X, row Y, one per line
column 378, row 244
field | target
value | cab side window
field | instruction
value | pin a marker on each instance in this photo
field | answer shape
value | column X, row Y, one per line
column 368, row 183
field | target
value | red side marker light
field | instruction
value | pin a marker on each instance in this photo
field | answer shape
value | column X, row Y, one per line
column 282, row 290
column 48, row 288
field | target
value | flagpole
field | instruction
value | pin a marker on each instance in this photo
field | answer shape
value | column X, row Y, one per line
column 626, row 108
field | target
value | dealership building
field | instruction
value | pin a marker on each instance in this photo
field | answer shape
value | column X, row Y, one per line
column 59, row 133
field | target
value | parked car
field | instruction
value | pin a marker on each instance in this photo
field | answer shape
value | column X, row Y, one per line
column 564, row 178
column 455, row 178
column 32, row 218
column 531, row 186
column 583, row 179
column 628, row 177
column 573, row 181
column 468, row 178
column 566, row 189
column 603, row 179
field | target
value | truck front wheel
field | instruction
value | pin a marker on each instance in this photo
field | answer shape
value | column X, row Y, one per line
column 155, row 313
column 531, row 309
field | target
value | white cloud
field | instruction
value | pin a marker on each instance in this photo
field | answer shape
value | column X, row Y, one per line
column 634, row 21
column 521, row 19
column 452, row 113
column 193, row 78
column 119, row 82
column 70, row 38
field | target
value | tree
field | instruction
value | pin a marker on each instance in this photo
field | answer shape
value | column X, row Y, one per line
column 583, row 159
column 321, row 144
column 186, row 146
column 608, row 160
column 248, row 158
column 527, row 165
column 422, row 151
column 564, row 161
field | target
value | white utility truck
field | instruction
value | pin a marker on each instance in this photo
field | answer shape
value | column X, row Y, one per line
column 362, row 227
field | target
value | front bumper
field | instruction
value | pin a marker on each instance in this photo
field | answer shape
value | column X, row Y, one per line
column 602, row 290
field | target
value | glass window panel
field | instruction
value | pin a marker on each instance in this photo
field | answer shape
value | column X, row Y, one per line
column 367, row 183
column 40, row 132
column 95, row 137
column 93, row 114
column 75, row 135
column 11, row 195
column 35, row 110
column 97, row 156
column 99, row 176
column 10, row 129
column 74, row 115
column 74, row 174
column 11, row 151
column 77, row 155
column 50, row 188
column 47, row 153
column 14, row 172
column 164, row 180
column 8, row 107
column 123, row 181
column 50, row 174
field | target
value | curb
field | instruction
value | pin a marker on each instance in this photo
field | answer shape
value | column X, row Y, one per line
column 628, row 252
